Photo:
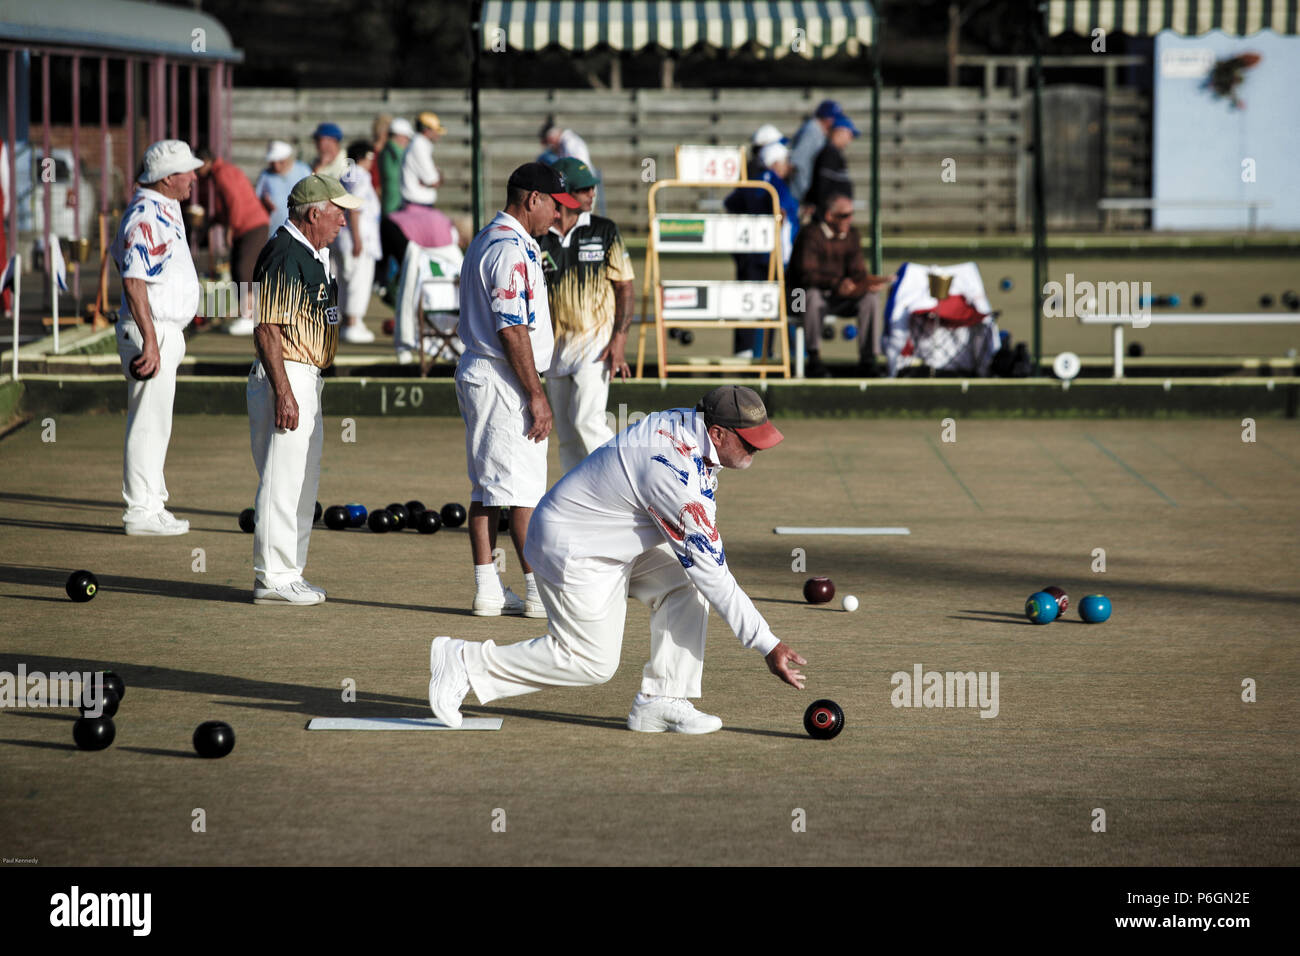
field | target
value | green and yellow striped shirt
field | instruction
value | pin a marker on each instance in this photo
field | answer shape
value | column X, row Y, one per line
column 295, row 292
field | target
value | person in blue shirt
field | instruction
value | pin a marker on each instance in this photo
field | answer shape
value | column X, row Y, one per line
column 808, row 142
column 282, row 173
column 774, row 159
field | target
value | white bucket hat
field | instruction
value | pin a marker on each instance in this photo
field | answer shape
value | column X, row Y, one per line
column 765, row 135
column 401, row 127
column 166, row 157
column 773, row 153
column 277, row 150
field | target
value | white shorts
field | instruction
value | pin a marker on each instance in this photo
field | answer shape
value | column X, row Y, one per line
column 505, row 467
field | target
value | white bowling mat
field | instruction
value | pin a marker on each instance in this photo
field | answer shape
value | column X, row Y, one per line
column 399, row 723
column 841, row 531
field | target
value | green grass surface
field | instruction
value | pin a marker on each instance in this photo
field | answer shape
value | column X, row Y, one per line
column 1141, row 716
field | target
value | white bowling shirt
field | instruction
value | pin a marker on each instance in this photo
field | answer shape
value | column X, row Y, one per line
column 150, row 244
column 652, row 483
column 502, row 285
column 418, row 168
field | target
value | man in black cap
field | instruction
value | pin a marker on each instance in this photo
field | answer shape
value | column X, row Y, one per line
column 638, row 518
column 505, row 324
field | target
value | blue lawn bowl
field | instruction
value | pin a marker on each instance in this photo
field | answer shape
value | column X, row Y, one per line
column 356, row 515
column 1041, row 608
column 1095, row 608
column 1006, row 285
column 850, row 332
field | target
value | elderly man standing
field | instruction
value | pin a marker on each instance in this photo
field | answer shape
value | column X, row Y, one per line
column 297, row 337
column 420, row 176
column 160, row 296
column 638, row 518
column 589, row 281
column 505, row 324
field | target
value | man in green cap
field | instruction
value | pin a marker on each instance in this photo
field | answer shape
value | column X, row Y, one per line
column 297, row 335
column 589, row 282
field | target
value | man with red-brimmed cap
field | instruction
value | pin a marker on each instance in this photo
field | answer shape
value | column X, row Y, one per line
column 505, row 325
column 637, row 518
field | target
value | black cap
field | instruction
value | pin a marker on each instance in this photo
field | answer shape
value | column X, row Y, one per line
column 538, row 177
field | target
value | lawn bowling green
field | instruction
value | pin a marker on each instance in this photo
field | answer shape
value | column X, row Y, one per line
column 1142, row 715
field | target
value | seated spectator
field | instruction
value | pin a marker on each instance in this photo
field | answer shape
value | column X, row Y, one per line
column 275, row 183
column 246, row 220
column 828, row 276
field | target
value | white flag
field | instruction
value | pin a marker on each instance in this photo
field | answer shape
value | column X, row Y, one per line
column 56, row 261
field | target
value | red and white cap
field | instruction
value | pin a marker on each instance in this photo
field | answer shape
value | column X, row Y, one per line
column 739, row 408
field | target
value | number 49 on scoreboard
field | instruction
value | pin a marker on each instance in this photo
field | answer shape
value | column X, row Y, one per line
column 710, row 164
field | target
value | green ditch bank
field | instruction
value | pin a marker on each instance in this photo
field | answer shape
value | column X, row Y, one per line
column 1017, row 398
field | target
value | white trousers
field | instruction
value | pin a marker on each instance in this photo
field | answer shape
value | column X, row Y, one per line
column 578, row 402
column 356, row 277
column 288, row 471
column 148, row 417
column 585, row 636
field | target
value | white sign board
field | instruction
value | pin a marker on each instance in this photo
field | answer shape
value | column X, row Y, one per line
column 710, row 164
column 1186, row 64
column 714, row 233
column 684, row 299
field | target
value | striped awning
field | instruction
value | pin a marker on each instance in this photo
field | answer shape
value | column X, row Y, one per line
column 815, row 30
column 1186, row 17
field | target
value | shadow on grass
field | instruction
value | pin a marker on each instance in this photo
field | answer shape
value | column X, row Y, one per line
column 1007, row 614
column 57, row 578
column 765, row 733
column 227, row 691
column 159, row 752
column 42, row 744
column 268, row 695
column 116, row 504
column 60, row 526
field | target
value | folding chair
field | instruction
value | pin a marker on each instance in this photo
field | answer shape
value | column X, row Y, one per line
column 439, row 319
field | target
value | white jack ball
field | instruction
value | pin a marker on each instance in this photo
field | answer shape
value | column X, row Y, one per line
column 850, row 603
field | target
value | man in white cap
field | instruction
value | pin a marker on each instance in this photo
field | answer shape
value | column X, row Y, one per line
column 273, row 185
column 638, row 518
column 160, row 296
column 297, row 337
